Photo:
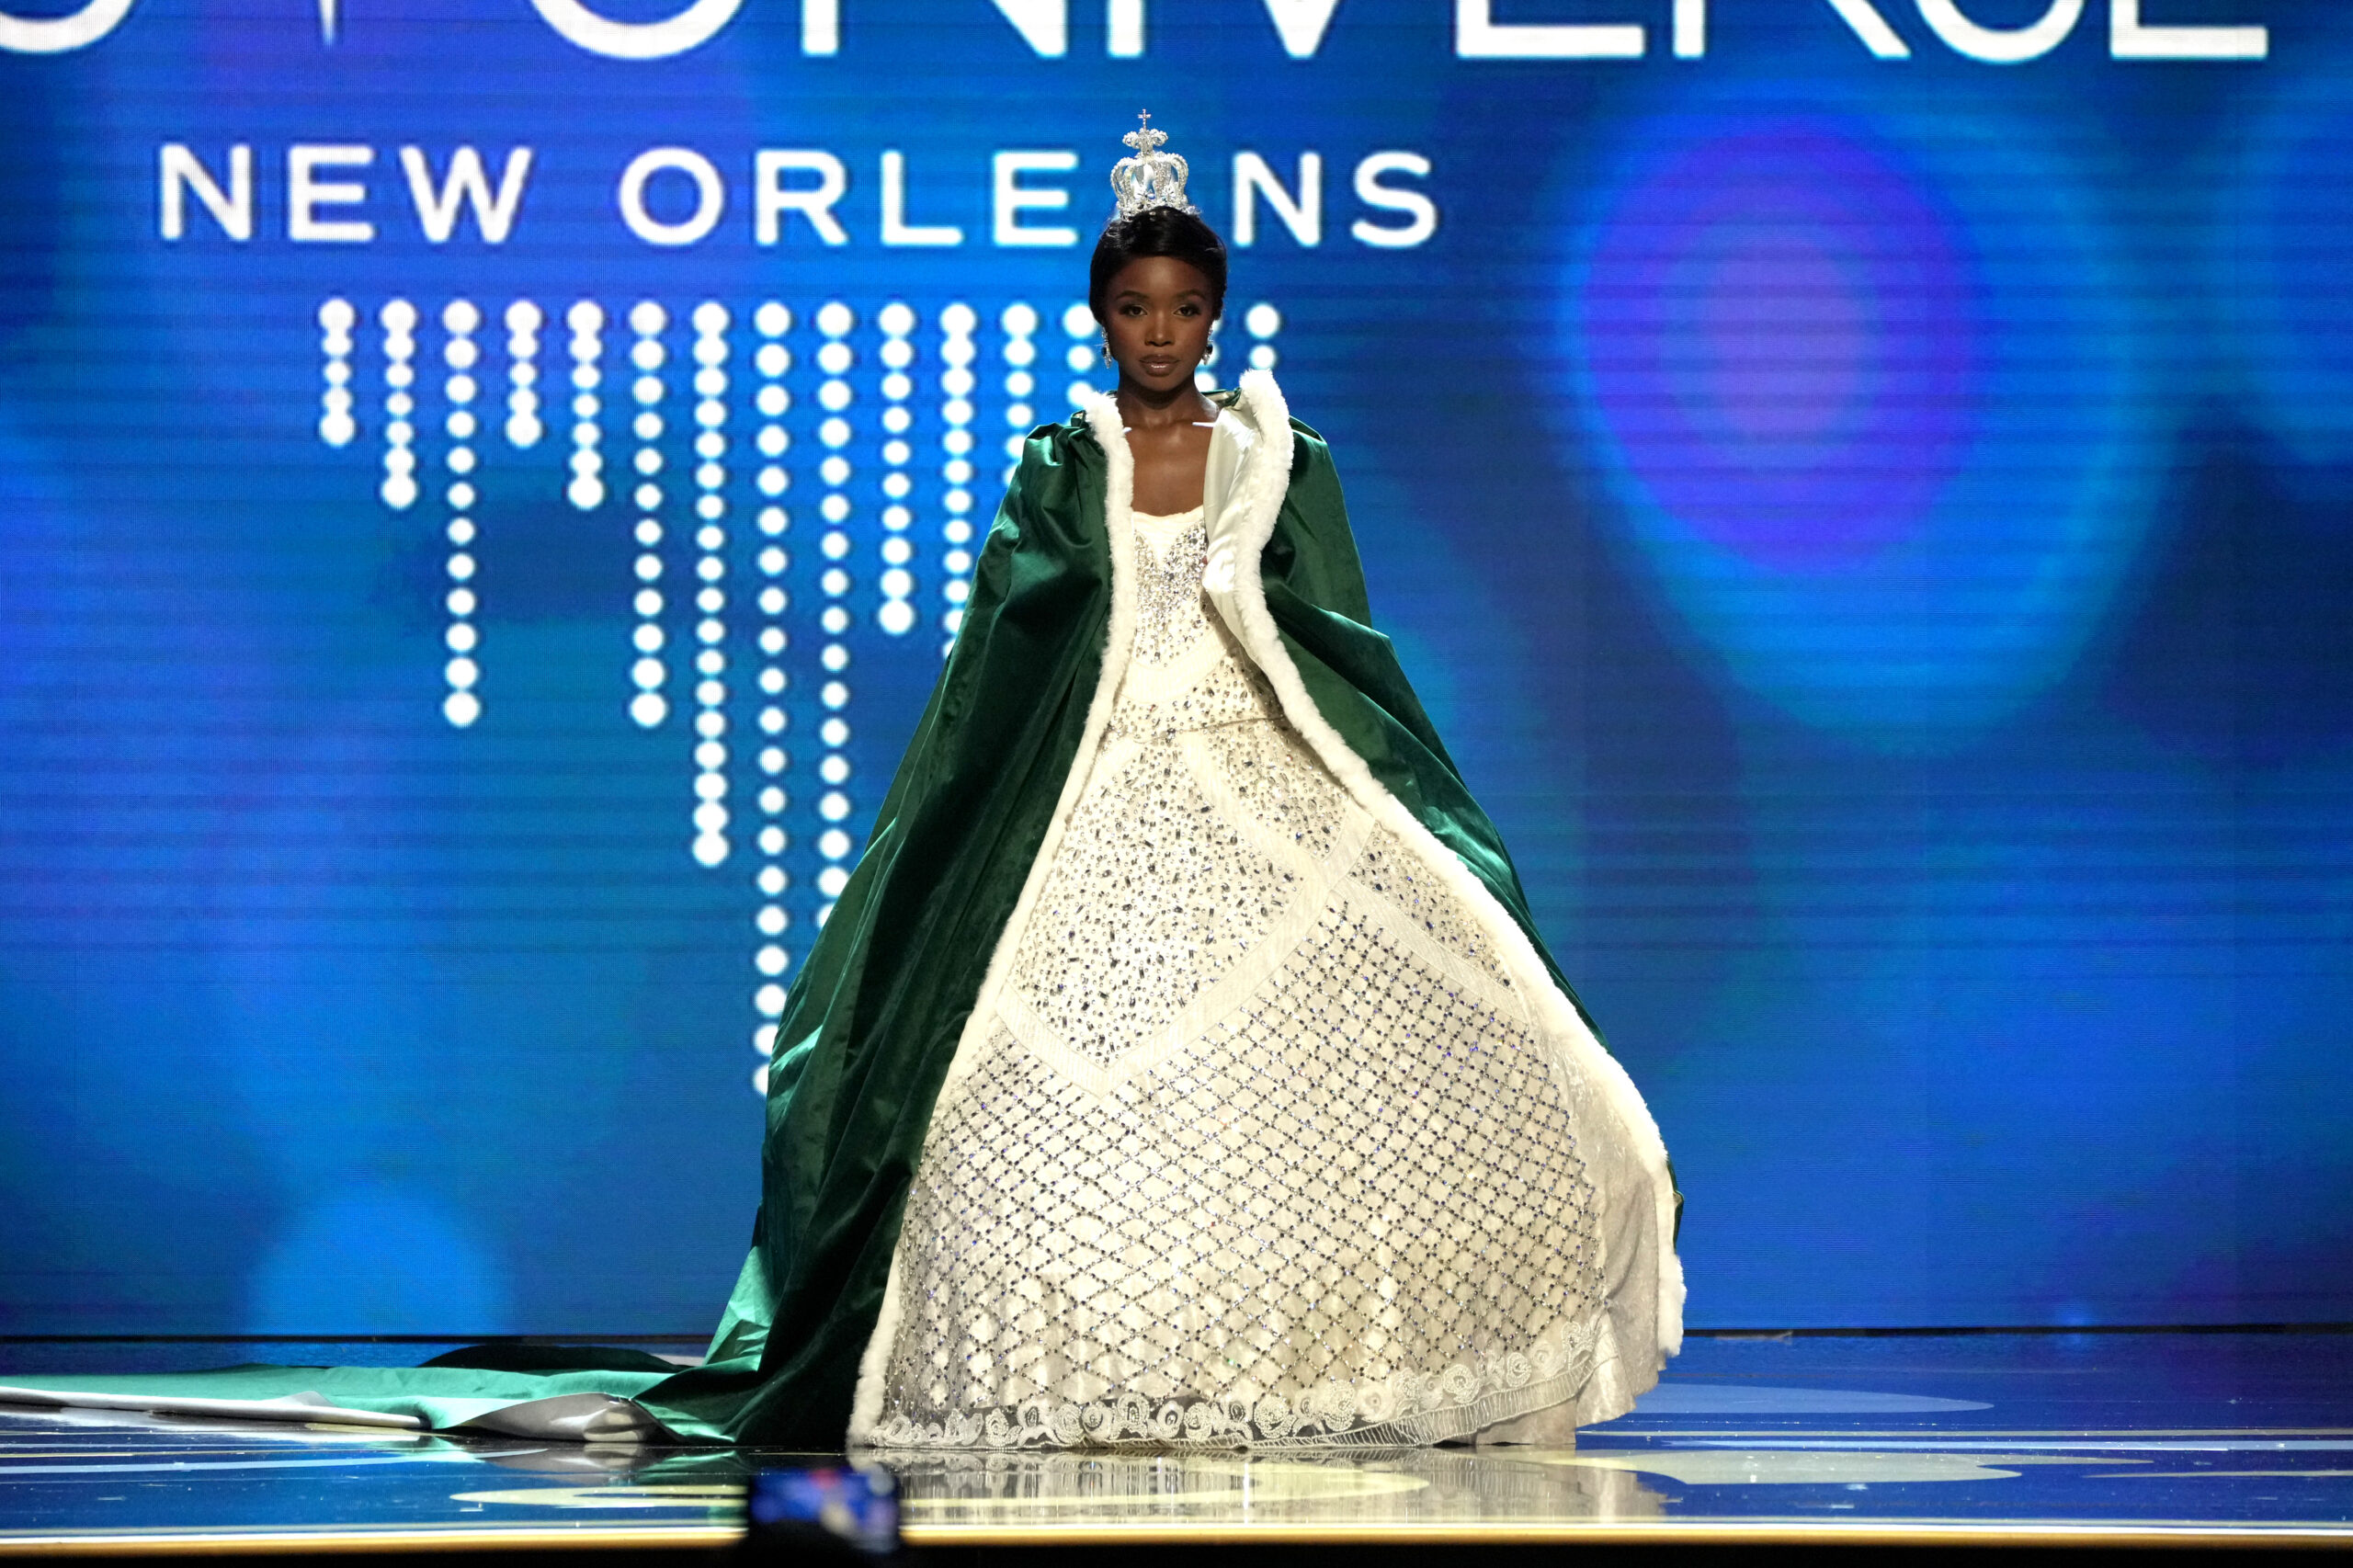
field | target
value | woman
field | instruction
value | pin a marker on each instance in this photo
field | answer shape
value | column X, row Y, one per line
column 1179, row 1065
column 1269, row 1124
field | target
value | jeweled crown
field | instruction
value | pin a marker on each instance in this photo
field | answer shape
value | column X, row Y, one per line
column 1152, row 178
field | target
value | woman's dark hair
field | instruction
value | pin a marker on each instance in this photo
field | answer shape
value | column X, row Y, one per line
column 1158, row 230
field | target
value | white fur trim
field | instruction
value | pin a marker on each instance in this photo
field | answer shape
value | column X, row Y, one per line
column 1239, row 591
column 1118, row 496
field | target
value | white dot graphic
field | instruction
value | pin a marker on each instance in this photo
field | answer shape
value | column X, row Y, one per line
column 1083, row 358
column 648, row 708
column 524, row 425
column 709, row 351
column 771, row 361
column 1018, row 320
column 337, row 424
column 462, row 706
column 398, row 320
column 957, row 352
column 895, row 615
column 586, row 321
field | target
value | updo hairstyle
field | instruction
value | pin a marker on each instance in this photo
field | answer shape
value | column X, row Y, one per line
column 1158, row 230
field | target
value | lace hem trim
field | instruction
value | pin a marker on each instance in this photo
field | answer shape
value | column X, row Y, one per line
column 1407, row 1410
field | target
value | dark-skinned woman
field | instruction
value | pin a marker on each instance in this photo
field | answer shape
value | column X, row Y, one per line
column 1267, row 1123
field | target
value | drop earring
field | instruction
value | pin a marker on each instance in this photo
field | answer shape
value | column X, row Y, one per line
column 1106, row 353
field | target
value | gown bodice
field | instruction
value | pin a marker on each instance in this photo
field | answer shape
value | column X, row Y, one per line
column 1185, row 671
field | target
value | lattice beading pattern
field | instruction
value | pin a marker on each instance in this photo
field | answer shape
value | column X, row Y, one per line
column 1390, row 869
column 1356, row 1210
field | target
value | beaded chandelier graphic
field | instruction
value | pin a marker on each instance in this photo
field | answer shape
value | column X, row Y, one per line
column 803, row 488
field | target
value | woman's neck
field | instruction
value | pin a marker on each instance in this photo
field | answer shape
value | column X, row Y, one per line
column 1182, row 405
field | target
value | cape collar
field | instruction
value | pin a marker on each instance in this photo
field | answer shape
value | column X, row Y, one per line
column 1249, row 470
column 1242, row 494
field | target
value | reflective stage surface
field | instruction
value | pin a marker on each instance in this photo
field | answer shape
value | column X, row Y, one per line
column 2212, row 1437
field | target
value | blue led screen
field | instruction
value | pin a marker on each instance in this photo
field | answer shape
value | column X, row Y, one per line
column 1862, row 487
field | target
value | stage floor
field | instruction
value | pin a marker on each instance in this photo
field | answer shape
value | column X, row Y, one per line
column 2214, row 1438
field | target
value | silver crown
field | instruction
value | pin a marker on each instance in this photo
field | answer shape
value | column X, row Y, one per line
column 1151, row 178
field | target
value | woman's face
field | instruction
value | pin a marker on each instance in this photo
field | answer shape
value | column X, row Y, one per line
column 1156, row 317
